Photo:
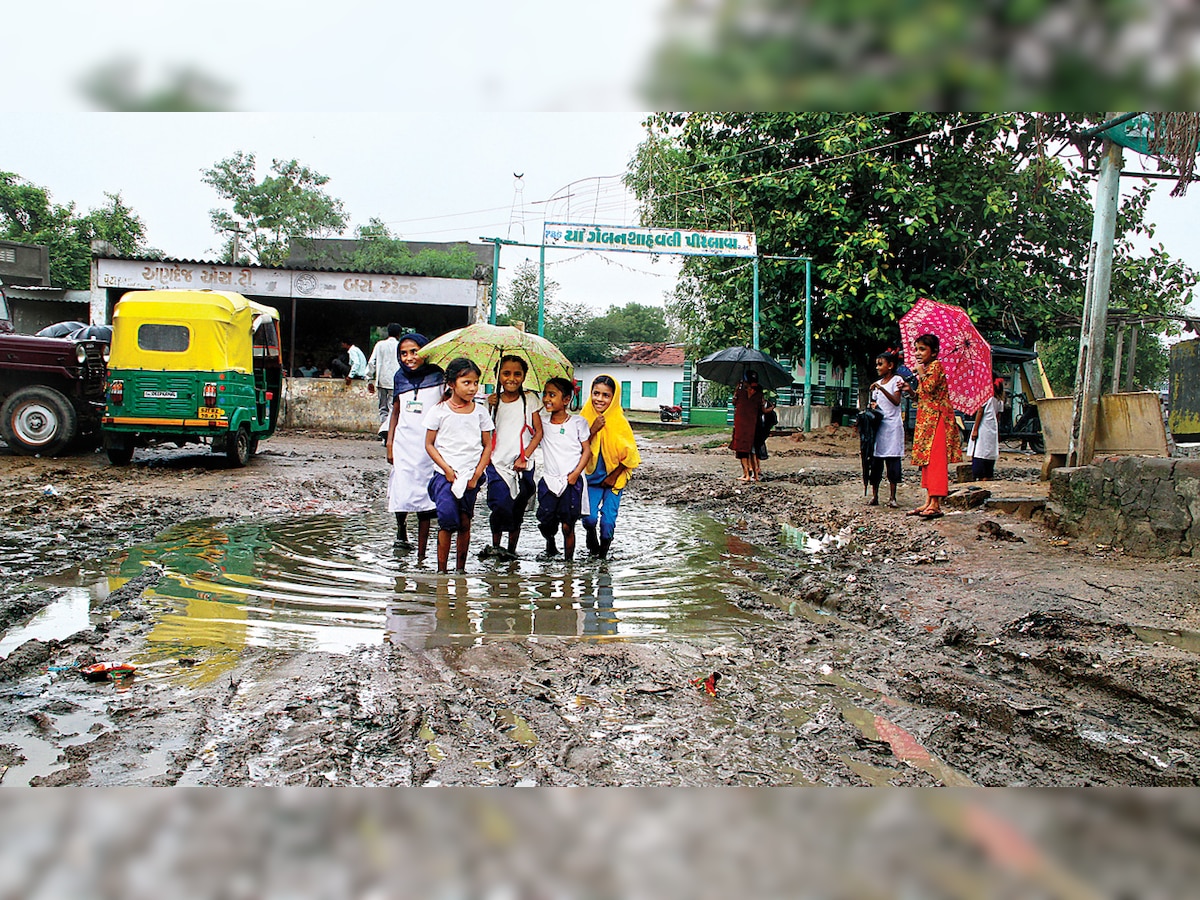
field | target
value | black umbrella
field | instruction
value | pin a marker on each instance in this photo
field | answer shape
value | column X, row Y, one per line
column 729, row 366
column 93, row 333
column 60, row 329
column 868, row 421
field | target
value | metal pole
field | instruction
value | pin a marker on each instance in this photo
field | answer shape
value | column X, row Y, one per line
column 495, row 278
column 1116, row 381
column 542, row 291
column 1087, row 394
column 756, row 303
column 291, row 400
column 1133, row 334
column 808, row 345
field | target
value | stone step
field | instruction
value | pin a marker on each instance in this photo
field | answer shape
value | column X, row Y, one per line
column 1021, row 507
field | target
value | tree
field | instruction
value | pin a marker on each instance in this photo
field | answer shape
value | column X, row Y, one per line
column 290, row 203
column 519, row 301
column 115, row 86
column 572, row 327
column 378, row 250
column 929, row 54
column 28, row 215
column 623, row 325
column 968, row 209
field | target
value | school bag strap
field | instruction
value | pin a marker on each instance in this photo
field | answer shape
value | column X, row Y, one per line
column 525, row 426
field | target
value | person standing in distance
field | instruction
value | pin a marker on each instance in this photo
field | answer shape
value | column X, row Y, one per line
column 381, row 374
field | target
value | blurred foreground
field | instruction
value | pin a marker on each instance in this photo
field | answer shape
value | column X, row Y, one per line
column 139, row 843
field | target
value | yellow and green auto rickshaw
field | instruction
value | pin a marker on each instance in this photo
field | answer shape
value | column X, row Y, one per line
column 192, row 367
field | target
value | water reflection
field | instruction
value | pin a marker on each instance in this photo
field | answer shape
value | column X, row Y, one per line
column 574, row 604
column 332, row 583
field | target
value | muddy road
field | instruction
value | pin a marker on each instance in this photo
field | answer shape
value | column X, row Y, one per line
column 278, row 639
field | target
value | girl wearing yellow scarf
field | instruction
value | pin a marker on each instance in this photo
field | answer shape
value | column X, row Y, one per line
column 614, row 456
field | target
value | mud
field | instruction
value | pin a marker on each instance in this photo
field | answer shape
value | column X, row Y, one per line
column 855, row 645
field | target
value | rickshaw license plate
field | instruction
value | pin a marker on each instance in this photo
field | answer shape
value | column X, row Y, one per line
column 161, row 395
column 206, row 412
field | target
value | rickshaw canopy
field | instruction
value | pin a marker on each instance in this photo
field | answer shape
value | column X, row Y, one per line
column 186, row 331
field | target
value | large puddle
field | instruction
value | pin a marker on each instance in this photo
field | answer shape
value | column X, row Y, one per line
column 333, row 583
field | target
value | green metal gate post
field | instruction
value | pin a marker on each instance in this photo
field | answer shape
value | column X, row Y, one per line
column 808, row 345
column 542, row 291
column 495, row 278
column 756, row 303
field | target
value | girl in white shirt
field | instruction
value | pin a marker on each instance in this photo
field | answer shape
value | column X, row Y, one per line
column 459, row 441
column 510, row 476
column 566, row 451
column 889, row 436
column 984, row 448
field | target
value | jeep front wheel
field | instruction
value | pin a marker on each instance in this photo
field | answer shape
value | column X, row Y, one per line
column 38, row 419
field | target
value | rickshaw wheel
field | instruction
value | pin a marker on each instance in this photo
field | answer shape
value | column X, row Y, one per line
column 120, row 454
column 239, row 448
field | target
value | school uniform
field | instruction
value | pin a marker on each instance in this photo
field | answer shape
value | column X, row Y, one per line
column 889, row 434
column 509, row 490
column 459, row 441
column 414, row 394
column 984, row 450
column 560, row 503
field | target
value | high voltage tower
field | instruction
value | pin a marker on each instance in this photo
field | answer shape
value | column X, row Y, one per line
column 516, row 216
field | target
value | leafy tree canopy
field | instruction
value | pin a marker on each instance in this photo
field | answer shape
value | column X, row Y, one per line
column 289, row 203
column 579, row 333
column 923, row 54
column 27, row 214
column 970, row 209
column 377, row 250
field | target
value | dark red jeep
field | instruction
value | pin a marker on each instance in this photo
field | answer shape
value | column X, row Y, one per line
column 51, row 389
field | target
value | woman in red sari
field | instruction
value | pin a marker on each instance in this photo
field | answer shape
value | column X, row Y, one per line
column 747, row 407
column 935, row 439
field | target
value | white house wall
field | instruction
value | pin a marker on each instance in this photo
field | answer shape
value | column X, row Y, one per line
column 663, row 377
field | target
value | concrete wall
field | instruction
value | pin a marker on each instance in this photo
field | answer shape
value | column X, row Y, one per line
column 793, row 416
column 327, row 404
column 1147, row 507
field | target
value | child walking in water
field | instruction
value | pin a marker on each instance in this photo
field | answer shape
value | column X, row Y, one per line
column 510, row 474
column 459, row 441
column 566, row 450
column 417, row 387
column 889, row 436
column 614, row 456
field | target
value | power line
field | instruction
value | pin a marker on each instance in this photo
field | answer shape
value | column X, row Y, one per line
column 621, row 201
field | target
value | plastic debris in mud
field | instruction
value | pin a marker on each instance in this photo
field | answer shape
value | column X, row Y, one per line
column 107, row 671
column 800, row 539
column 709, row 684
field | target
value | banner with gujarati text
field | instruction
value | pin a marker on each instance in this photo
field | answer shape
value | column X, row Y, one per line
column 649, row 240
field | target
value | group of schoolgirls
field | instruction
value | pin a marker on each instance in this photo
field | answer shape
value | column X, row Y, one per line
column 445, row 448
column 935, row 439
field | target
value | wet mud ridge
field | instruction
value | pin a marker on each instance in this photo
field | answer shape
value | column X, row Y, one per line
column 853, row 645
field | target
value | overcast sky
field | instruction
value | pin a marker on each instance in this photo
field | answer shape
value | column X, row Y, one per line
column 432, row 176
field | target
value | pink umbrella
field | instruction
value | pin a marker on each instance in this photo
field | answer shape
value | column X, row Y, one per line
column 965, row 356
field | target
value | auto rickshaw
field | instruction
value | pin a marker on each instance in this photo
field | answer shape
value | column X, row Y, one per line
column 192, row 367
